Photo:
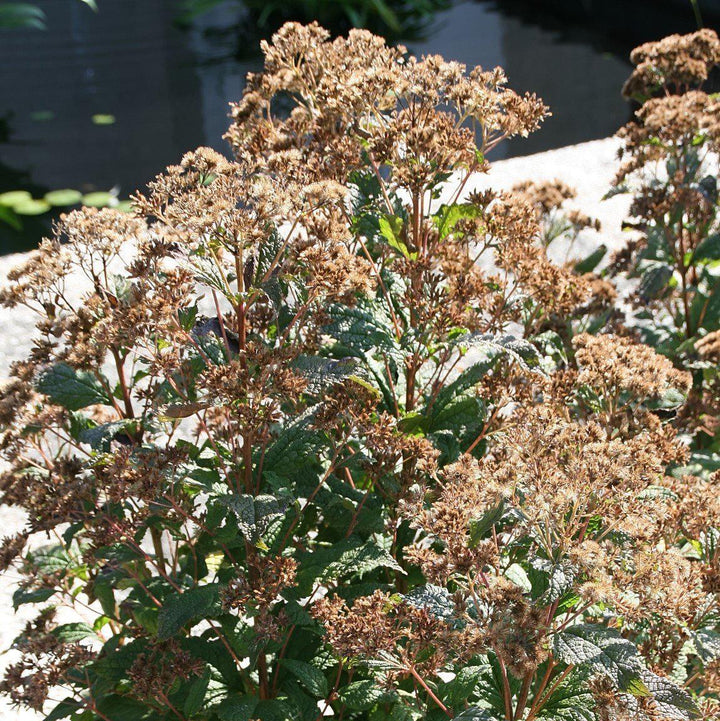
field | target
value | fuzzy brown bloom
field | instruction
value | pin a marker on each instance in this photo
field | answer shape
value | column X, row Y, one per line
column 380, row 626
column 708, row 347
column 157, row 669
column 612, row 365
column 675, row 62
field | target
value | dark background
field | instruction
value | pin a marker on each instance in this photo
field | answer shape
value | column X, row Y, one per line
column 168, row 87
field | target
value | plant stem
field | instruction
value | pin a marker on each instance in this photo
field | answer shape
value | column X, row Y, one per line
column 429, row 691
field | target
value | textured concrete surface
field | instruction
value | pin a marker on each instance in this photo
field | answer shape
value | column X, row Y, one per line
column 588, row 167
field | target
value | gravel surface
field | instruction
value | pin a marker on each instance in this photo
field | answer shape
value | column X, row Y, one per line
column 588, row 167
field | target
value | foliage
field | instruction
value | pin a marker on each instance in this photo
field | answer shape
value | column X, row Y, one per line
column 670, row 165
column 27, row 15
column 318, row 431
column 15, row 204
column 390, row 18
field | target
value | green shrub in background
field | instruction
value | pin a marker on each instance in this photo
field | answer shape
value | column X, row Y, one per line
column 27, row 15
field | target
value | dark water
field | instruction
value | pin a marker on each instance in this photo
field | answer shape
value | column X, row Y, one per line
column 168, row 89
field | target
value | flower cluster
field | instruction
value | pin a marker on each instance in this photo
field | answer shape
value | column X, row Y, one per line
column 315, row 431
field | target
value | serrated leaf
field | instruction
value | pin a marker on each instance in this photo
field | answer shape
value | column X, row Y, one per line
column 654, row 281
column 591, row 261
column 23, row 596
column 519, row 349
column 672, row 701
column 73, row 632
column 517, row 574
column 313, row 679
column 294, row 450
column 364, row 328
column 708, row 249
column 100, row 437
column 462, row 687
column 570, row 701
column 475, row 713
column 122, row 708
column 73, row 389
column 707, row 644
column 361, row 695
column 351, row 557
column 469, row 378
column 557, row 578
column 254, row 514
column 197, row 690
column 192, row 605
column 390, row 227
column 449, row 215
column 599, row 649
column 66, row 708
column 322, row 373
column 480, row 527
column 434, row 599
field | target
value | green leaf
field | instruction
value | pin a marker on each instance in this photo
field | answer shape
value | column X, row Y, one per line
column 99, row 199
column 469, row 378
column 361, row 695
column 182, row 608
column 551, row 580
column 66, row 708
column 276, row 709
column 255, row 513
column 31, row 207
column 672, row 701
column 100, row 437
column 590, row 262
column 519, row 349
column 121, row 708
column 196, row 694
column 349, row 557
column 475, row 713
column 21, row 15
column 601, row 650
column 708, row 249
column 23, row 596
column 103, row 119
column 390, row 228
column 322, row 373
column 8, row 216
column 707, row 644
column 449, row 215
column 73, row 632
column 73, row 389
column 313, row 679
column 480, row 527
column 434, row 599
column 570, row 701
column 518, row 575
column 12, row 197
column 63, row 197
column 710, row 313
column 51, row 559
column 654, row 281
column 364, row 328
column 462, row 687
column 295, row 452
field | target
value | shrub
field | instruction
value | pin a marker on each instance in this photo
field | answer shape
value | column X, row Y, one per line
column 671, row 167
column 318, row 430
